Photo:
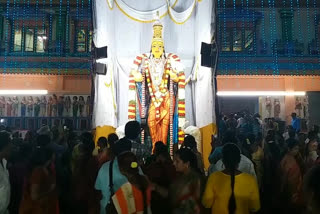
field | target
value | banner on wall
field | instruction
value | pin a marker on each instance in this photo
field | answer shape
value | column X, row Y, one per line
column 126, row 27
column 46, row 106
column 275, row 107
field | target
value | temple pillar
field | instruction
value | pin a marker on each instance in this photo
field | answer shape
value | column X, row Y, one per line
column 1, row 24
column 289, row 100
column 67, row 32
column 2, row 39
column 287, row 22
column 60, row 19
column 51, row 43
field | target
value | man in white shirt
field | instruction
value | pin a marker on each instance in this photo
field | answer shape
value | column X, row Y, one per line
column 5, row 147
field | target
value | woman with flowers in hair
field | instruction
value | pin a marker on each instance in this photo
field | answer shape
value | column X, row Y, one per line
column 134, row 196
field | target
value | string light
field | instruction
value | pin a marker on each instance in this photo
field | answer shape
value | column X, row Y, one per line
column 225, row 34
column 27, row 14
column 67, row 36
column 36, row 28
column 45, row 31
column 301, row 35
column 6, row 23
column 275, row 70
column 308, row 29
column 243, row 48
column 25, row 24
column 14, row 27
column 291, row 21
column 316, row 23
column 77, row 30
column 90, row 33
column 254, row 39
column 287, row 43
column 273, row 49
column 263, row 32
column 24, row 32
column 50, row 39
column 292, row 28
column 82, row 27
column 275, row 34
column 60, row 36
column 234, row 35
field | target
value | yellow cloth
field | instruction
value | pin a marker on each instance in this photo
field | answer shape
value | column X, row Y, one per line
column 218, row 192
column 206, row 135
column 103, row 131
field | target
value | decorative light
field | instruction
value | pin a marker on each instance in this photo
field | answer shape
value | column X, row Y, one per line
column 259, row 93
column 316, row 22
column 308, row 27
column 67, row 36
column 254, row 39
column 301, row 35
column 23, row 92
column 50, row 39
column 225, row 35
column 235, row 34
column 263, row 30
column 60, row 36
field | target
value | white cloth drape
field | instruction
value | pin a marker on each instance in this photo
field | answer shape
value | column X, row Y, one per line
column 127, row 31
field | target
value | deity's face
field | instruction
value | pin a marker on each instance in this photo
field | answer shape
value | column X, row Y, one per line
column 157, row 49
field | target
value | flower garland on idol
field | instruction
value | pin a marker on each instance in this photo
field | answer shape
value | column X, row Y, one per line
column 163, row 89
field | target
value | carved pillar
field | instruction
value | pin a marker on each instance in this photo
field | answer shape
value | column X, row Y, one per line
column 67, row 33
column 1, row 24
column 286, row 21
column 61, row 29
column 51, row 39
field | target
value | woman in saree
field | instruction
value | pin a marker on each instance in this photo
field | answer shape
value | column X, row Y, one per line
column 291, row 180
column 312, row 190
column 40, row 194
column 185, row 191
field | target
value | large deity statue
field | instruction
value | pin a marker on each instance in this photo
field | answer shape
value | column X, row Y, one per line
column 157, row 91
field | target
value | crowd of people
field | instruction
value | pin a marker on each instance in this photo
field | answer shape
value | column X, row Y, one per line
column 254, row 168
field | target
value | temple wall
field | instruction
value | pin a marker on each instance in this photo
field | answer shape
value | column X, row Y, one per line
column 55, row 84
column 271, row 83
